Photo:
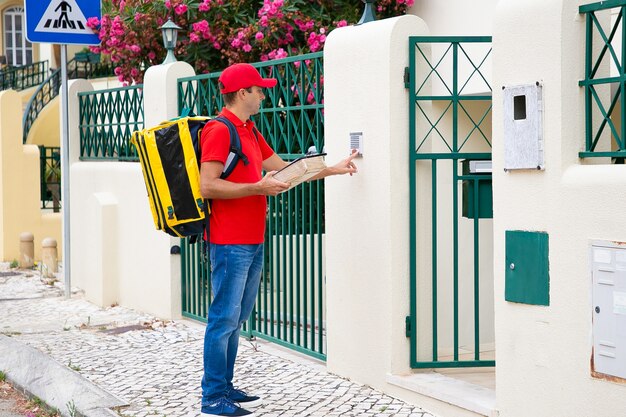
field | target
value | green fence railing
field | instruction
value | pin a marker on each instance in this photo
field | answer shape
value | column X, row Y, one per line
column 23, row 77
column 47, row 91
column 107, row 119
column 290, row 308
column 449, row 115
column 604, row 82
column 50, row 174
column 50, row 87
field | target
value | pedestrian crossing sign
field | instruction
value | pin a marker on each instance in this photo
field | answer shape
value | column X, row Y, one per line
column 61, row 21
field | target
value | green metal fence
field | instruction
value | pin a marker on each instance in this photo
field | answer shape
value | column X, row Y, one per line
column 107, row 119
column 46, row 91
column 604, row 83
column 50, row 174
column 23, row 77
column 50, row 87
column 450, row 116
column 290, row 308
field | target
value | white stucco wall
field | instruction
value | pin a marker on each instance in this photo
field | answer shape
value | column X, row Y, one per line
column 456, row 17
column 366, row 215
column 543, row 353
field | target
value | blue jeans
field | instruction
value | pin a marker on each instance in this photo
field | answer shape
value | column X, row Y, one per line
column 235, row 277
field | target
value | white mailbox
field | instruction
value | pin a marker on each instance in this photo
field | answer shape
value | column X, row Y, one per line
column 608, row 260
column 523, row 127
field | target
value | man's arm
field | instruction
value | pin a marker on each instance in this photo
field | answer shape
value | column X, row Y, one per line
column 212, row 186
column 274, row 163
column 345, row 166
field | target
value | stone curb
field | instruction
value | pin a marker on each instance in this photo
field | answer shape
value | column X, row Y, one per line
column 39, row 375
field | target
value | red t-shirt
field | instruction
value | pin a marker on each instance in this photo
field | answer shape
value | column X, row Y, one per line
column 237, row 221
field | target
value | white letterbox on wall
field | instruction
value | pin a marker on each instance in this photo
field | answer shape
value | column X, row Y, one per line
column 608, row 261
column 523, row 127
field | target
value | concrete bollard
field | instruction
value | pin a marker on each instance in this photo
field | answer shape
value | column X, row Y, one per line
column 49, row 257
column 27, row 250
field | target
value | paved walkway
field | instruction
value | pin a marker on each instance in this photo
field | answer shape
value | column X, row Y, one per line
column 155, row 367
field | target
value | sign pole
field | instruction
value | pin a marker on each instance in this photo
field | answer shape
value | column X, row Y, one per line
column 63, row 22
column 65, row 172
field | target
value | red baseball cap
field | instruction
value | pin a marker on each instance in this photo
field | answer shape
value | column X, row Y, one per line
column 239, row 76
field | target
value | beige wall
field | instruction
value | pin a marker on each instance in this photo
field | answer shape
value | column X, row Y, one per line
column 543, row 353
column 19, row 185
column 46, row 130
column 20, row 177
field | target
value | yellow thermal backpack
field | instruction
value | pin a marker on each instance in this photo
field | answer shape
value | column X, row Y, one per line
column 170, row 160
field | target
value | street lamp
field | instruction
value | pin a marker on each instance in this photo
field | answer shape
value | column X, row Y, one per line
column 368, row 14
column 170, row 33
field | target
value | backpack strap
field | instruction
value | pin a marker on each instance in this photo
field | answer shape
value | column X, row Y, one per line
column 235, row 153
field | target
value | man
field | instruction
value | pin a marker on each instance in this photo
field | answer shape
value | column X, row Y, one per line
column 63, row 21
column 237, row 228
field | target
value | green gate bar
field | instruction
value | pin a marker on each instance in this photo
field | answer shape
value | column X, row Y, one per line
column 455, row 155
column 290, row 306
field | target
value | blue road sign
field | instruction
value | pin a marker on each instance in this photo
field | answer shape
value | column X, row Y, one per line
column 61, row 21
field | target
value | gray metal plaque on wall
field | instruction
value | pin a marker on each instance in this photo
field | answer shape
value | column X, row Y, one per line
column 523, row 127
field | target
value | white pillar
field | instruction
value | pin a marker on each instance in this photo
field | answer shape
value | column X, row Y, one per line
column 160, row 98
column 73, row 113
column 160, row 91
column 367, row 217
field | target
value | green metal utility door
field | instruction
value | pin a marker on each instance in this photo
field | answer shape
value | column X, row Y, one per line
column 451, row 319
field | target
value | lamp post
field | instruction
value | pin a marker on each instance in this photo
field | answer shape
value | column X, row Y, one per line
column 368, row 14
column 170, row 33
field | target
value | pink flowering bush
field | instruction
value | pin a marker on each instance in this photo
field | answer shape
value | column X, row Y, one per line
column 217, row 33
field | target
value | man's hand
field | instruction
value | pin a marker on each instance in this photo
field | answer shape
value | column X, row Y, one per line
column 270, row 185
column 212, row 186
column 345, row 166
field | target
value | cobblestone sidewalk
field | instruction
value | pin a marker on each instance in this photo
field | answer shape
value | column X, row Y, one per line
column 156, row 366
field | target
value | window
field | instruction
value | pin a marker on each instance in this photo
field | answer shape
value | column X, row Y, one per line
column 16, row 48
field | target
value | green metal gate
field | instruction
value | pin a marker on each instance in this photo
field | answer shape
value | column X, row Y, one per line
column 290, row 308
column 451, row 318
